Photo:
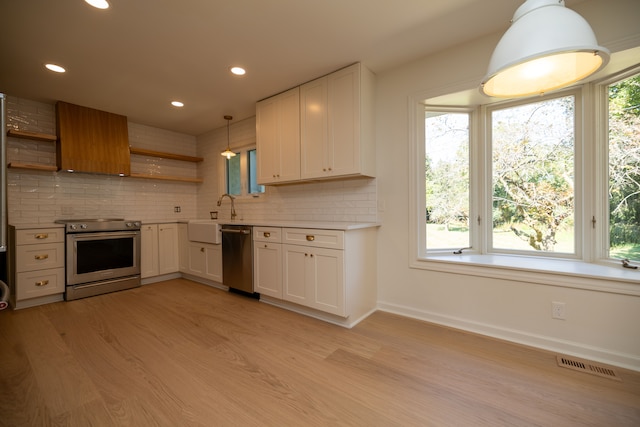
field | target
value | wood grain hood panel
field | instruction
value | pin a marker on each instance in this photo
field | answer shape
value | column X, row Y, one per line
column 91, row 140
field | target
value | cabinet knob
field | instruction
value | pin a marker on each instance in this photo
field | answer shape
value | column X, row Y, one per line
column 201, row 249
column 41, row 236
column 40, row 257
column 42, row 283
column 310, row 238
column 266, row 234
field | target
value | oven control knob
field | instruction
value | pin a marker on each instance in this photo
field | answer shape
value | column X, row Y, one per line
column 129, row 224
column 72, row 226
column 83, row 226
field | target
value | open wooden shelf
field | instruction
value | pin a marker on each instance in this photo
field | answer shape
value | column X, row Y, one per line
column 166, row 177
column 172, row 156
column 36, row 136
column 31, row 166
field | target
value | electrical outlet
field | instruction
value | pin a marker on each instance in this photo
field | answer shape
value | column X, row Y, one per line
column 176, row 209
column 558, row 310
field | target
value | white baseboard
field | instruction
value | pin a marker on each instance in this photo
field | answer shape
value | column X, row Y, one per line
column 316, row 314
column 570, row 348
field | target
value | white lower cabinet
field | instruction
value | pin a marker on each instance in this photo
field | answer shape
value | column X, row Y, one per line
column 329, row 271
column 35, row 265
column 168, row 248
column 267, row 261
column 159, row 249
column 183, row 248
column 205, row 261
column 149, row 251
column 314, row 277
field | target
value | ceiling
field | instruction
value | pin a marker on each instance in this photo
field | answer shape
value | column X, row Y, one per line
column 137, row 56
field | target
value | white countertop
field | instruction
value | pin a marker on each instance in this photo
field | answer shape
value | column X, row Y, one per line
column 40, row 225
column 327, row 225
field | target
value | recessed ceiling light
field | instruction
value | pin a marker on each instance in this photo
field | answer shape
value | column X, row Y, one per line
column 238, row 71
column 98, row 4
column 177, row 104
column 55, row 68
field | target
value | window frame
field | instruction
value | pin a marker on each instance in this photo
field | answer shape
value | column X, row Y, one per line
column 578, row 156
column 243, row 152
column 588, row 271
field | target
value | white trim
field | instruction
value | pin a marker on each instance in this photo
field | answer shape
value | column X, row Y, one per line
column 544, row 271
column 572, row 348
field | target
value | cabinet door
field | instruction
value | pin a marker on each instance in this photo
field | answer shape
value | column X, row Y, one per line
column 205, row 260
column 343, row 142
column 213, row 262
column 149, row 251
column 313, row 129
column 278, row 138
column 267, row 148
column 325, row 274
column 183, row 248
column 167, row 248
column 267, row 268
column 294, row 286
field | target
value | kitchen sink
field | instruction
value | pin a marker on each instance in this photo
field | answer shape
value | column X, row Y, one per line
column 204, row 231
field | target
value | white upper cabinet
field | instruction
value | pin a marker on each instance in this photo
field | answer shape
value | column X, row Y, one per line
column 321, row 130
column 278, row 138
column 336, row 125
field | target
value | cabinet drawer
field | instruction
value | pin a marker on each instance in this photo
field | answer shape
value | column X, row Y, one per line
column 267, row 234
column 39, row 235
column 33, row 284
column 38, row 257
column 331, row 239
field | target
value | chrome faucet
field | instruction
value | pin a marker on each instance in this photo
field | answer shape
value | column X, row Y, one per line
column 233, row 207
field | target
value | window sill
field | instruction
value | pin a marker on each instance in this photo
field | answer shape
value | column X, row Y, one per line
column 564, row 273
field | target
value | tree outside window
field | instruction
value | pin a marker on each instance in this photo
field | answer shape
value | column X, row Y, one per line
column 624, row 168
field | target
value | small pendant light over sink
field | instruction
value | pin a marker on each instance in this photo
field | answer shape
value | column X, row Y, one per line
column 547, row 47
column 228, row 153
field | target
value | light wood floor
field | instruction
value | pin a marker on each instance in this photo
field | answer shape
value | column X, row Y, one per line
column 178, row 353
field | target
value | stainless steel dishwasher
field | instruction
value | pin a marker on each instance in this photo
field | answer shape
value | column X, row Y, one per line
column 237, row 258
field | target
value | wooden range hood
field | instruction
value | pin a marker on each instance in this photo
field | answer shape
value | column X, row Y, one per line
column 91, row 140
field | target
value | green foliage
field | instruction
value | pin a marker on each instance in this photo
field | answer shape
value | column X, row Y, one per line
column 624, row 162
column 624, row 97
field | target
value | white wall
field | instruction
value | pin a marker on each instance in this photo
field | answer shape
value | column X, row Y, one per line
column 599, row 325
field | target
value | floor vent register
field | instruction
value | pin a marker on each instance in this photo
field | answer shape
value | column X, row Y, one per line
column 587, row 366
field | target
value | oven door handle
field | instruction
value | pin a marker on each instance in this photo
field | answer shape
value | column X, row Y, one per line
column 108, row 234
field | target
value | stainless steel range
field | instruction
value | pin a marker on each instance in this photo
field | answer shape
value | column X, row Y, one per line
column 102, row 255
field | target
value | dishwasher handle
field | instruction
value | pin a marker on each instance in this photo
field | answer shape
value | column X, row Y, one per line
column 235, row 231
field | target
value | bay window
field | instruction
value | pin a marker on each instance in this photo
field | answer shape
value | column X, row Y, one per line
column 549, row 183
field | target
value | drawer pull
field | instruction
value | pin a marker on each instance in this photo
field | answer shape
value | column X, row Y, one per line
column 266, row 234
column 41, row 236
column 42, row 283
column 201, row 249
column 310, row 238
column 40, row 257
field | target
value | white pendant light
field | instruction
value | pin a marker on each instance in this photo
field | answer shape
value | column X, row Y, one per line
column 547, row 47
column 228, row 153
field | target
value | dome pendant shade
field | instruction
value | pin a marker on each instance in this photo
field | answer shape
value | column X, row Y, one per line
column 228, row 153
column 547, row 47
